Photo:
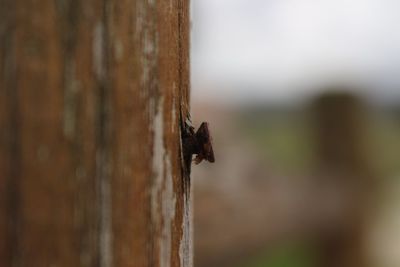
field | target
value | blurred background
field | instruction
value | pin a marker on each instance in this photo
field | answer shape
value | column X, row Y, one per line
column 303, row 100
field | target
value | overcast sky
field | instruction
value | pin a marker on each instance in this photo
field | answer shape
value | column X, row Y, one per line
column 281, row 48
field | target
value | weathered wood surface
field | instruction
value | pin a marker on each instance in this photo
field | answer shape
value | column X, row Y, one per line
column 91, row 97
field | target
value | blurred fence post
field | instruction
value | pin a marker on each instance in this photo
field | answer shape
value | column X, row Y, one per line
column 91, row 97
column 343, row 164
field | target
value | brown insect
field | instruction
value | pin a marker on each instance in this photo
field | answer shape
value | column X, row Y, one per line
column 198, row 143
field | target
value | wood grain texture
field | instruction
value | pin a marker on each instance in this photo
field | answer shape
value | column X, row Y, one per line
column 91, row 99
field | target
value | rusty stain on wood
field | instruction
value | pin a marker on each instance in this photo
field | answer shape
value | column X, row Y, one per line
column 91, row 94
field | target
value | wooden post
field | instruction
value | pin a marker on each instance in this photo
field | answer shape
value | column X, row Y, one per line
column 91, row 98
column 344, row 167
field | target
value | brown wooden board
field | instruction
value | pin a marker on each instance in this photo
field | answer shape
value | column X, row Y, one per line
column 92, row 94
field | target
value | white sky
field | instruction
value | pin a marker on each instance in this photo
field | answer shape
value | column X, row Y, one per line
column 280, row 48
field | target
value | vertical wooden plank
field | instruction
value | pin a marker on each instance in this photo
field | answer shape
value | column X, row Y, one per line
column 49, row 151
column 343, row 164
column 92, row 94
column 43, row 201
column 7, row 132
column 145, row 57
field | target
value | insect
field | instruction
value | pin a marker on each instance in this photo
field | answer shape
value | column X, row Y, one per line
column 197, row 143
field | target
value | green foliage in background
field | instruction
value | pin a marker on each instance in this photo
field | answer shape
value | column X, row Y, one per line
column 282, row 138
column 384, row 137
column 285, row 139
column 286, row 255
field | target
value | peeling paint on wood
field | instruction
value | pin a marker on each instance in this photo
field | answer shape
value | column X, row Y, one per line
column 186, row 246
